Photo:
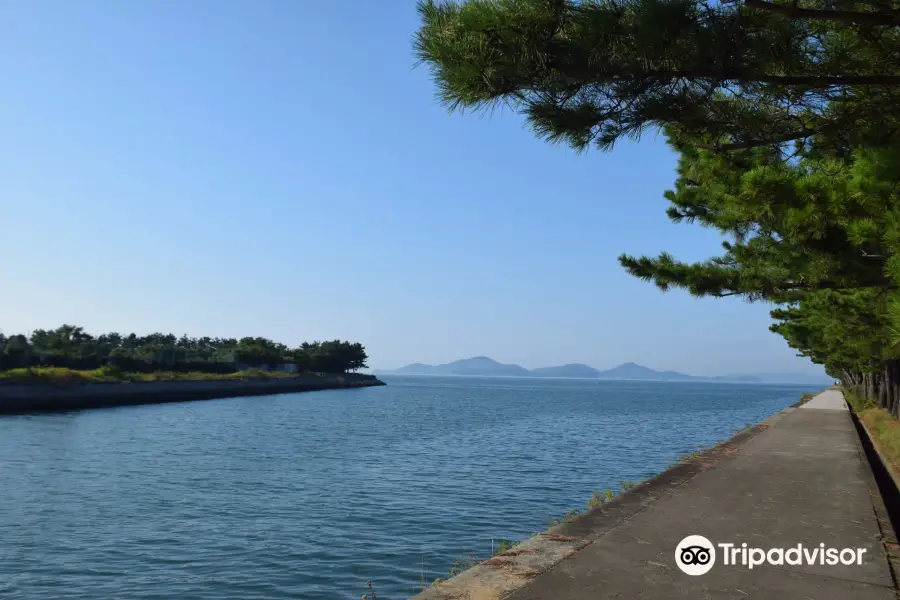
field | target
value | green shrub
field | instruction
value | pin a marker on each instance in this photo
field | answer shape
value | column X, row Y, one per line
column 857, row 402
column 63, row 376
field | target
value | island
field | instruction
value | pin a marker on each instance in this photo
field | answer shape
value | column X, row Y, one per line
column 66, row 368
column 482, row 366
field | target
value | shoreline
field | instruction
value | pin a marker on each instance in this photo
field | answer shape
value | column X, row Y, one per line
column 538, row 554
column 633, row 533
column 24, row 398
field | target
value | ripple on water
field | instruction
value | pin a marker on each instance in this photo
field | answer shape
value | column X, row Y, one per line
column 310, row 495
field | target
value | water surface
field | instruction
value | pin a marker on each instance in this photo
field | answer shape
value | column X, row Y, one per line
column 309, row 495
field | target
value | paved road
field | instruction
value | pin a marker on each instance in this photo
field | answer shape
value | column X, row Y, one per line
column 802, row 479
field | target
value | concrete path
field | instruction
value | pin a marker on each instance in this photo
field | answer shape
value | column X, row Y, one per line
column 831, row 399
column 801, row 479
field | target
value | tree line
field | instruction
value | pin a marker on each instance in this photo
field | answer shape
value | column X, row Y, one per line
column 70, row 346
column 786, row 119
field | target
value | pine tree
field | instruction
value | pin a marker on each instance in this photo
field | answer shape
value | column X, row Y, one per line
column 730, row 74
column 848, row 333
column 819, row 222
column 818, row 235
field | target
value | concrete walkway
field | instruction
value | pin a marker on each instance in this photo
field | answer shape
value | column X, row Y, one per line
column 802, row 478
column 831, row 399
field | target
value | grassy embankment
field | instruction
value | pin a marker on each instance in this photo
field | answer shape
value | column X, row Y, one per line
column 63, row 377
column 884, row 429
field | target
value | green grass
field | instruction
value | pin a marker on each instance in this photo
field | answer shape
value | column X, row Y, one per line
column 858, row 403
column 598, row 499
column 462, row 564
column 885, row 430
column 467, row 562
column 685, row 458
column 63, row 377
column 572, row 514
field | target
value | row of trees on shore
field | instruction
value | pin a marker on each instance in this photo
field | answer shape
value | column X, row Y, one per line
column 786, row 119
column 71, row 346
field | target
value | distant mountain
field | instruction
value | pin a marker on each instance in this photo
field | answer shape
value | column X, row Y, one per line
column 417, row 369
column 794, row 378
column 636, row 371
column 633, row 371
column 479, row 365
column 575, row 370
column 482, row 366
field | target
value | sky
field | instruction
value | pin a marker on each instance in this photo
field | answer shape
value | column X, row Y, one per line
column 282, row 168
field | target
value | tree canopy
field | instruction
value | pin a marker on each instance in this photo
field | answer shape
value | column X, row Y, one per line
column 731, row 74
column 815, row 223
column 818, row 235
column 71, row 346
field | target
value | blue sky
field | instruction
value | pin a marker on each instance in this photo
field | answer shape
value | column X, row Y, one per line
column 280, row 168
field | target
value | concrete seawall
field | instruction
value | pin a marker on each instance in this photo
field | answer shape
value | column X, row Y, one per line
column 17, row 398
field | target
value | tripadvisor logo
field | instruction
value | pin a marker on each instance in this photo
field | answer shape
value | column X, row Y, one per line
column 696, row 555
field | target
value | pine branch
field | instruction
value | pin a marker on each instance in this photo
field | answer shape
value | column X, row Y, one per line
column 746, row 144
column 808, row 81
column 816, row 287
column 883, row 19
column 723, row 76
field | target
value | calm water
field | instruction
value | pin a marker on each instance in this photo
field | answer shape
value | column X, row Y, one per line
column 309, row 495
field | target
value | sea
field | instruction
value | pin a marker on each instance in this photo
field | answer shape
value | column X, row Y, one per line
column 313, row 495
